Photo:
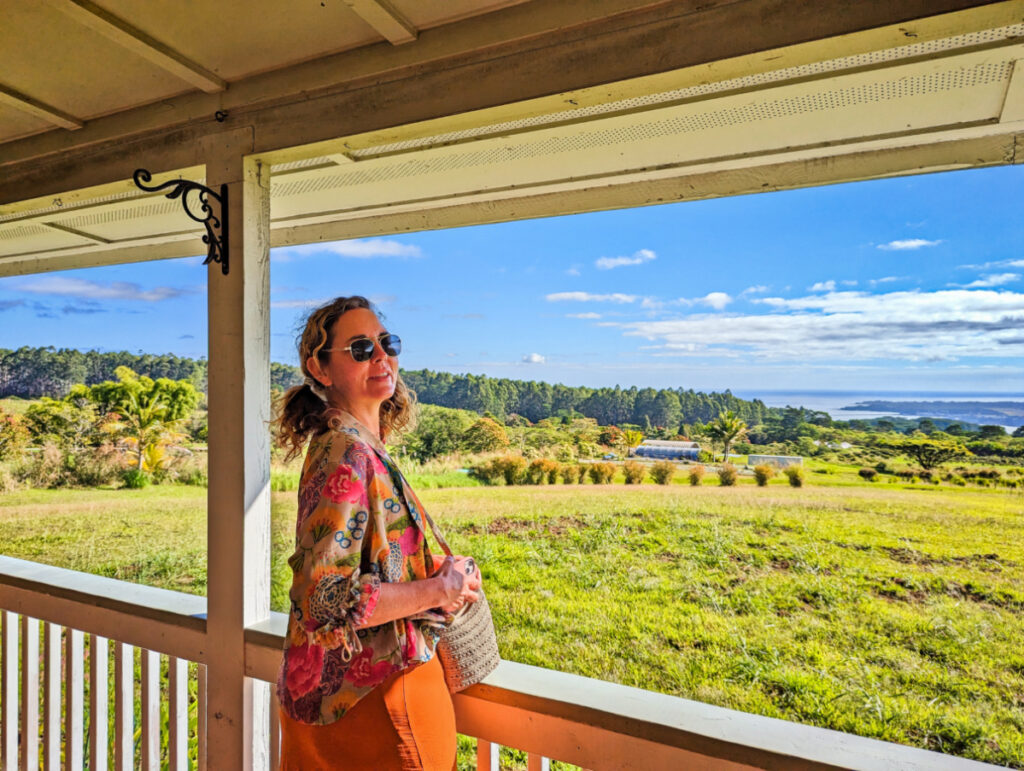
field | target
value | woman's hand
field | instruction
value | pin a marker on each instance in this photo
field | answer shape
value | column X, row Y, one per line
column 458, row 587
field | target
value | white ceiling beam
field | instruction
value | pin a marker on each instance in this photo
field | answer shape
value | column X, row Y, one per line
column 27, row 104
column 386, row 19
column 138, row 42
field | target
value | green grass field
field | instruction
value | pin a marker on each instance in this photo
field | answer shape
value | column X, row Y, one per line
column 890, row 611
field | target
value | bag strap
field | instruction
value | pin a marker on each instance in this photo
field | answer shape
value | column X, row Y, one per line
column 398, row 480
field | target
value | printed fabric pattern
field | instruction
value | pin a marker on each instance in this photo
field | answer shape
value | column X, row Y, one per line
column 354, row 531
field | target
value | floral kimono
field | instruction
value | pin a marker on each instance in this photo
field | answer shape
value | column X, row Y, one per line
column 358, row 524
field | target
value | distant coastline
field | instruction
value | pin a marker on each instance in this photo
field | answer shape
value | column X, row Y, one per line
column 999, row 408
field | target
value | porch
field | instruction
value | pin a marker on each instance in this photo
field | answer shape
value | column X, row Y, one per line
column 422, row 120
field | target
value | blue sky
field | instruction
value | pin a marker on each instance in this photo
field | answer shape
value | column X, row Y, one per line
column 905, row 284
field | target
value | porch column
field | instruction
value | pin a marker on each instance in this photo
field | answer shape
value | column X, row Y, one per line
column 238, row 513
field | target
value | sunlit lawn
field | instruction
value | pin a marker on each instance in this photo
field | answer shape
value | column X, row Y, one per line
column 888, row 612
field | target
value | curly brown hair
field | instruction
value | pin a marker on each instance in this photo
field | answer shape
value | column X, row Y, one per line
column 302, row 411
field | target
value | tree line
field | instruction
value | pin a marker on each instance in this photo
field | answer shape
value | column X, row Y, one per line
column 47, row 371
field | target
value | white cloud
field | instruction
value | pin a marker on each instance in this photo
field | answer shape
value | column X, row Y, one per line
column 995, row 264
column 990, row 280
column 311, row 303
column 756, row 289
column 823, row 286
column 573, row 271
column 588, row 297
column 638, row 257
column 851, row 327
column 716, row 300
column 93, row 290
column 848, row 282
column 908, row 243
column 360, row 249
column 583, row 315
column 534, row 358
column 885, row 280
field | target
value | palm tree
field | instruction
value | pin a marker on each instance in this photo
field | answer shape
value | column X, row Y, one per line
column 726, row 428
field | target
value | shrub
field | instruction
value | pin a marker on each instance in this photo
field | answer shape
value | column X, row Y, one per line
column 135, row 479
column 868, row 473
column 727, row 475
column 696, row 475
column 44, row 468
column 489, row 472
column 551, row 468
column 568, row 474
column 581, row 473
column 762, row 473
column 882, row 467
column 601, row 473
column 7, row 481
column 795, row 475
column 634, row 471
column 663, row 471
column 194, row 476
column 513, row 467
column 535, row 473
column 13, row 436
column 92, row 467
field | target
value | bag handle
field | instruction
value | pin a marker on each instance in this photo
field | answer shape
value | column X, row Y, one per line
column 398, row 480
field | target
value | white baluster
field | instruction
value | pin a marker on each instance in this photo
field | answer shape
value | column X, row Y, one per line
column 487, row 755
column 51, row 693
column 98, row 713
column 150, row 710
column 74, row 650
column 29, row 694
column 124, row 707
column 9, row 691
column 177, row 714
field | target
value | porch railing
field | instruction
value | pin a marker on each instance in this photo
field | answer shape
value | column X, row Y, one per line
column 67, row 700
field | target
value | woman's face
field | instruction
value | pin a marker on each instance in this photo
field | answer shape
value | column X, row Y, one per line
column 357, row 383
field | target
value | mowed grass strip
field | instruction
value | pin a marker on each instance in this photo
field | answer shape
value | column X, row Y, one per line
column 890, row 613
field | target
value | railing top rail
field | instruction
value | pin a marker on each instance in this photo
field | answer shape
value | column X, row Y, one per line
column 159, row 619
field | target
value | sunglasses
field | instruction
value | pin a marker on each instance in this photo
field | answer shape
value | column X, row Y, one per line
column 362, row 349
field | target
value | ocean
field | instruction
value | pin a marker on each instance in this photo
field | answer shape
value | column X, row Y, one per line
column 833, row 402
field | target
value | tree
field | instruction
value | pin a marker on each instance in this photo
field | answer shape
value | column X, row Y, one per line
column 991, row 432
column 929, row 453
column 150, row 410
column 1018, row 432
column 632, row 438
column 485, row 436
column 726, row 428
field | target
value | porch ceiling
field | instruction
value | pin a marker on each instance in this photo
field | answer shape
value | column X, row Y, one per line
column 947, row 92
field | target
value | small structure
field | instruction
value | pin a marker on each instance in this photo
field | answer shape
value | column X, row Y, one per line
column 663, row 449
column 780, row 461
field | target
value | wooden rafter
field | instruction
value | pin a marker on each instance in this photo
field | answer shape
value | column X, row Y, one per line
column 386, row 19
column 124, row 34
column 32, row 106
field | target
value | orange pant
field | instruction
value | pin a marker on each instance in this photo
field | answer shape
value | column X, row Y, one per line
column 407, row 723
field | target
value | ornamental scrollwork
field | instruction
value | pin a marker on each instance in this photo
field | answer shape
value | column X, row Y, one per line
column 195, row 199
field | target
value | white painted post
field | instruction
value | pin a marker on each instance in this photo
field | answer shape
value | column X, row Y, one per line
column 99, row 677
column 177, row 713
column 74, row 651
column 9, row 691
column 124, row 707
column 238, row 511
column 29, row 694
column 51, row 692
column 150, row 709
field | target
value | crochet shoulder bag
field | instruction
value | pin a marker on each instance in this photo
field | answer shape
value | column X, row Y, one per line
column 468, row 647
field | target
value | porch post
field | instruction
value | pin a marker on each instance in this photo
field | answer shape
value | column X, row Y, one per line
column 238, row 513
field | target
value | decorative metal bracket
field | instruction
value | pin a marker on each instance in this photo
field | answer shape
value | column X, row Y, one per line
column 216, row 237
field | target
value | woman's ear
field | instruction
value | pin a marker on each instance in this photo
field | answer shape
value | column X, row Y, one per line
column 313, row 365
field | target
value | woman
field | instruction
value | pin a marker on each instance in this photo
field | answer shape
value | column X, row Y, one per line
column 360, row 686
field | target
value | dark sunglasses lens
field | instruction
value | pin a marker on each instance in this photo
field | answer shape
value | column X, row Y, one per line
column 392, row 344
column 362, row 349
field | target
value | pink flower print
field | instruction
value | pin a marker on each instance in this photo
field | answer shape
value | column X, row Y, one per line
column 410, row 540
column 378, row 467
column 343, row 486
column 362, row 672
column 305, row 663
column 410, row 641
